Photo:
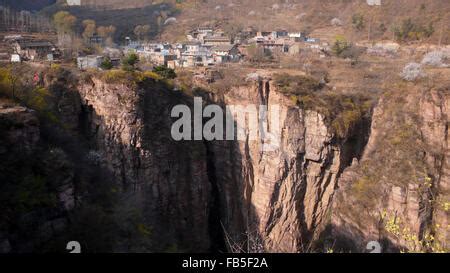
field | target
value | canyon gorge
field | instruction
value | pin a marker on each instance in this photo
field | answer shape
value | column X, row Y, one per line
column 321, row 189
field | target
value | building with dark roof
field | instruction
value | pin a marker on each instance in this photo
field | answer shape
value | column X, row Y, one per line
column 34, row 50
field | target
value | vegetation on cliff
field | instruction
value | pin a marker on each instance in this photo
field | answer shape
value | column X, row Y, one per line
column 341, row 111
column 53, row 185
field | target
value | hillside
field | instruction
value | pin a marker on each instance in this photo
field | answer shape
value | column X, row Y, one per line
column 123, row 19
column 356, row 19
column 356, row 147
column 308, row 15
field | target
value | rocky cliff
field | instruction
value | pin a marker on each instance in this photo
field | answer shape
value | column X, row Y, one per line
column 202, row 193
column 384, row 178
column 130, row 127
column 398, row 193
column 37, row 184
column 278, row 199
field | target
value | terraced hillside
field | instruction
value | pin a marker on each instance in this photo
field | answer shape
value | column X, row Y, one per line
column 408, row 20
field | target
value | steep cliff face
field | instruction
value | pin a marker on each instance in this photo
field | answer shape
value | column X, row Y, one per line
column 20, row 125
column 130, row 127
column 196, row 193
column 398, row 192
column 435, row 111
column 208, row 195
column 277, row 199
column 37, row 184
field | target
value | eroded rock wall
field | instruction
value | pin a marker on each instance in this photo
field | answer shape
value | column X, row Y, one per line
column 37, row 184
column 278, row 199
column 397, row 194
column 131, row 128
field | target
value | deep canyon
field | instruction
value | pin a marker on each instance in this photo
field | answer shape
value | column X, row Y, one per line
column 318, row 190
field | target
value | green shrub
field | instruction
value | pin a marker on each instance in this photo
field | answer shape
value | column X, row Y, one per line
column 33, row 192
column 117, row 76
column 342, row 112
column 165, row 72
column 296, row 85
column 340, row 45
column 346, row 120
column 106, row 64
column 142, row 76
column 5, row 85
column 409, row 30
column 130, row 61
column 40, row 99
column 358, row 21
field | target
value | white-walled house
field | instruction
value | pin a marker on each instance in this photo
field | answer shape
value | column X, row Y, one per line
column 73, row 2
column 90, row 61
column 225, row 53
column 374, row 2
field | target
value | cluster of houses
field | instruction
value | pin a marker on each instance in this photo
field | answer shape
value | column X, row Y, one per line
column 204, row 47
column 208, row 47
column 280, row 41
column 21, row 48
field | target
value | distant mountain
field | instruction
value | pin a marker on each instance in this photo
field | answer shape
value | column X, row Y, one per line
column 27, row 4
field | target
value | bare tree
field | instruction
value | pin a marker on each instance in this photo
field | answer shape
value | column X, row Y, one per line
column 107, row 33
column 64, row 23
column 142, row 31
column 89, row 29
column 252, row 242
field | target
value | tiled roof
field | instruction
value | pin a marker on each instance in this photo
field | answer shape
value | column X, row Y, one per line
column 26, row 44
column 223, row 48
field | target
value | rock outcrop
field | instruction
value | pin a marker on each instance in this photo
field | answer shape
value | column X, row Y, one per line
column 198, row 193
column 313, row 190
column 278, row 199
column 397, row 194
column 130, row 127
column 36, row 184
column 20, row 129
